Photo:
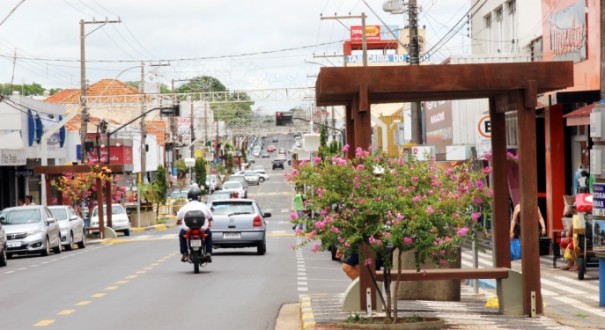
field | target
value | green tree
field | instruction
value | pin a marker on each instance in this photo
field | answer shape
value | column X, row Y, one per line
column 229, row 166
column 161, row 181
column 181, row 169
column 200, row 171
column 243, row 152
column 26, row 90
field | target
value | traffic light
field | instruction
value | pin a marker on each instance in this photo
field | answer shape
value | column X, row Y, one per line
column 279, row 119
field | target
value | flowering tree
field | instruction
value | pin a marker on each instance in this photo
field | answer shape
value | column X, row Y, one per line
column 79, row 188
column 391, row 203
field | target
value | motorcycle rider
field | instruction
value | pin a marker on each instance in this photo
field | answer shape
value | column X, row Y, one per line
column 194, row 204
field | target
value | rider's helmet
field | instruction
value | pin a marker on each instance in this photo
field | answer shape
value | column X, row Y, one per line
column 194, row 193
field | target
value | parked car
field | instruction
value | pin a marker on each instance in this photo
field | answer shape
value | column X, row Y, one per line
column 3, row 247
column 281, row 151
column 258, row 167
column 177, row 199
column 71, row 224
column 262, row 174
column 30, row 229
column 242, row 179
column 265, row 155
column 239, row 223
column 271, row 148
column 119, row 218
column 234, row 186
column 275, row 139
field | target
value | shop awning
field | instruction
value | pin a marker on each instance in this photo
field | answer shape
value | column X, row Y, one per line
column 11, row 141
column 579, row 117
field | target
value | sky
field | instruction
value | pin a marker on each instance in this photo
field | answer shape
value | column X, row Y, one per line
column 277, row 46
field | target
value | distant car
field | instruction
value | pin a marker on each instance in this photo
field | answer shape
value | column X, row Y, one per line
column 119, row 218
column 258, row 167
column 271, row 148
column 234, row 186
column 278, row 164
column 212, row 183
column 239, row 223
column 71, row 224
column 30, row 229
column 3, row 247
column 262, row 174
column 252, row 177
column 281, row 151
column 275, row 139
column 265, row 155
column 219, row 194
column 242, row 179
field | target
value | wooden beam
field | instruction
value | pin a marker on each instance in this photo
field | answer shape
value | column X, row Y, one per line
column 392, row 84
column 62, row 169
column 555, row 166
column 364, row 104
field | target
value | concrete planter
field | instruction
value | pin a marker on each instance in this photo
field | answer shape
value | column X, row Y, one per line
column 406, row 324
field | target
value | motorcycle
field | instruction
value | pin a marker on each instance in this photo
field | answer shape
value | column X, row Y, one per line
column 196, row 239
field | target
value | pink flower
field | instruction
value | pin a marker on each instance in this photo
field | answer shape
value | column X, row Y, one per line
column 345, row 148
column 360, row 167
column 414, row 179
column 430, row 210
column 320, row 192
column 315, row 248
column 292, row 246
column 316, row 160
column 387, row 235
column 293, row 215
column 462, row 231
column 358, row 152
column 408, row 240
column 476, row 216
column 294, row 171
column 335, row 230
column 368, row 261
column 321, row 225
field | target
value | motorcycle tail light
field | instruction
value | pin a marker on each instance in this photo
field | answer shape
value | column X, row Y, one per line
column 257, row 221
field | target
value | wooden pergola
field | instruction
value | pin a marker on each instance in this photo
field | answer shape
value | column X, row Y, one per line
column 53, row 172
column 508, row 86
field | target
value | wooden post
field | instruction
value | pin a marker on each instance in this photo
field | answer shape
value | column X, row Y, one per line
column 501, row 217
column 530, row 261
column 108, row 201
column 100, row 207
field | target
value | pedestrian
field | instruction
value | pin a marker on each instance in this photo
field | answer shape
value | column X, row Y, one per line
column 515, row 225
column 29, row 200
column 299, row 207
column 350, row 264
column 581, row 180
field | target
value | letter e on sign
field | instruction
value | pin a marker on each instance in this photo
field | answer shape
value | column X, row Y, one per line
column 485, row 127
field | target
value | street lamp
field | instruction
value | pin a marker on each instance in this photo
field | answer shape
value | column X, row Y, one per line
column 190, row 162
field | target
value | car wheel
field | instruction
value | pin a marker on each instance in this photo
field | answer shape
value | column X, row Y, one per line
column 261, row 180
column 57, row 249
column 82, row 243
column 3, row 257
column 261, row 249
column 127, row 232
column 46, row 250
column 70, row 242
column 9, row 255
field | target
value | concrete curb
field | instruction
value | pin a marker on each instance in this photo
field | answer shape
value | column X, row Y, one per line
column 307, row 318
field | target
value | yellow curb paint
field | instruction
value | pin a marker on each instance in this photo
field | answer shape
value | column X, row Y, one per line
column 308, row 316
column 44, row 323
column 98, row 295
column 109, row 288
column 160, row 227
column 122, row 282
column 83, row 303
column 66, row 312
column 130, row 277
column 307, row 325
column 138, row 230
column 281, row 235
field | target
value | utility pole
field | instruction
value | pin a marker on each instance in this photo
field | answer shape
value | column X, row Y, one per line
column 414, row 54
column 602, row 51
column 83, row 85
column 192, row 128
column 143, row 127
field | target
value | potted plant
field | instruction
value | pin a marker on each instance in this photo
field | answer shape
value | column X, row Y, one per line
column 391, row 204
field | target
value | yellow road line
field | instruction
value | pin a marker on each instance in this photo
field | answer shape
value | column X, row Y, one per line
column 98, row 295
column 44, row 323
column 122, row 282
column 83, row 303
column 66, row 312
column 109, row 288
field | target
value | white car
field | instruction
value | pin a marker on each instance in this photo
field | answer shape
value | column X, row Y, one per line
column 234, row 186
column 252, row 177
column 119, row 218
column 71, row 224
column 262, row 174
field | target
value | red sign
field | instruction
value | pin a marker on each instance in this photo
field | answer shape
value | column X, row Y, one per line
column 121, row 155
column 372, row 33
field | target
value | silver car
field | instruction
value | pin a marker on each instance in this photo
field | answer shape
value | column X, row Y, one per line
column 238, row 223
column 3, row 247
column 119, row 218
column 30, row 229
column 71, row 224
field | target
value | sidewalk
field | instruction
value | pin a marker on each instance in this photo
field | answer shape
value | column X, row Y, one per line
column 323, row 311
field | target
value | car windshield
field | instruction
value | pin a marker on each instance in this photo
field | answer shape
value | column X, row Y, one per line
column 232, row 185
column 232, row 208
column 115, row 209
column 250, row 173
column 18, row 217
column 178, row 194
column 59, row 213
